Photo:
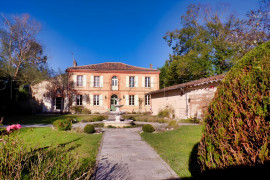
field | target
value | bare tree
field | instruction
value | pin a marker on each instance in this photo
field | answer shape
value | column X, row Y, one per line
column 19, row 47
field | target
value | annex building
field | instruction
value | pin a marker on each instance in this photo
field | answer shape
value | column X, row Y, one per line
column 188, row 100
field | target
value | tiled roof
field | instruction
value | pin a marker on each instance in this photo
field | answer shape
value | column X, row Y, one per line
column 118, row 66
column 191, row 83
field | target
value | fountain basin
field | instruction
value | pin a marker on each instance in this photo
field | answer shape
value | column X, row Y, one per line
column 119, row 124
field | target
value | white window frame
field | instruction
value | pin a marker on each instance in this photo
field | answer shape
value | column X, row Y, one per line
column 79, row 99
column 96, row 100
column 131, row 100
column 80, row 80
column 96, row 81
column 147, row 100
column 131, row 81
column 147, row 82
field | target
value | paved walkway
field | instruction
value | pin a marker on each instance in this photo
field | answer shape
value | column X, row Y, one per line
column 125, row 156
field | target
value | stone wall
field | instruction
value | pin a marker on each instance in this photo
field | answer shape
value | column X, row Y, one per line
column 187, row 103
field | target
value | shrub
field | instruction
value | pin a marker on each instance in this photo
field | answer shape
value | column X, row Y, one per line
column 131, row 118
column 167, row 112
column 236, row 126
column 80, row 110
column 89, row 129
column 173, row 124
column 62, row 124
column 98, row 118
column 148, row 128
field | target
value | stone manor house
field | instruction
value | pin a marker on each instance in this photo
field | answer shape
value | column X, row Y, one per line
column 96, row 86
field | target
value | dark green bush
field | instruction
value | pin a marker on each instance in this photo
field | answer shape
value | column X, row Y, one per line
column 148, row 128
column 89, row 129
column 236, row 126
column 98, row 118
column 62, row 124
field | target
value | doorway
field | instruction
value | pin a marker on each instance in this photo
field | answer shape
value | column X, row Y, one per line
column 113, row 102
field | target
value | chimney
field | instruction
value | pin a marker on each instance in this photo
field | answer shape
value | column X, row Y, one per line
column 151, row 66
column 74, row 63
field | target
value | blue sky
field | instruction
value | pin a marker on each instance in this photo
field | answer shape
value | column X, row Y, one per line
column 96, row 31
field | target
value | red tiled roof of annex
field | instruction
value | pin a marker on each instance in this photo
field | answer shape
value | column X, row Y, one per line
column 111, row 66
column 191, row 83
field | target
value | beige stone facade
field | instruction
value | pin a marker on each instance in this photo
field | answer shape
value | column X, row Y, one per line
column 96, row 86
column 188, row 100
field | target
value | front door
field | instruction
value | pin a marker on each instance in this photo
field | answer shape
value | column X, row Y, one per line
column 58, row 103
column 113, row 102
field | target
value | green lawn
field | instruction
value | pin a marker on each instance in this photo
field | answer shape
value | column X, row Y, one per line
column 175, row 146
column 86, row 145
column 44, row 119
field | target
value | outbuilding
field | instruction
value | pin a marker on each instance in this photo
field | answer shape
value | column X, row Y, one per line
column 187, row 100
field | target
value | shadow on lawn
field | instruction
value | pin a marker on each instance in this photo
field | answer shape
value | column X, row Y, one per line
column 231, row 173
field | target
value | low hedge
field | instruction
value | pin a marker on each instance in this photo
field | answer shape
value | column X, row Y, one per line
column 62, row 124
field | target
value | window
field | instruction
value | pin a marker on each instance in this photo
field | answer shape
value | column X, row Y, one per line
column 80, row 80
column 147, row 81
column 79, row 100
column 131, row 81
column 96, row 81
column 131, row 100
column 147, row 100
column 96, row 100
column 114, row 81
column 58, row 103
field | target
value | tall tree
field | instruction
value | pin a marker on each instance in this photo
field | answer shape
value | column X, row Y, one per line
column 211, row 41
column 19, row 48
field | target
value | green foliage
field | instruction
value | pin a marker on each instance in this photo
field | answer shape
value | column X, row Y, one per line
column 236, row 126
column 208, row 44
column 80, row 110
column 17, row 162
column 173, row 124
column 167, row 112
column 148, row 128
column 98, row 118
column 89, row 129
column 62, row 124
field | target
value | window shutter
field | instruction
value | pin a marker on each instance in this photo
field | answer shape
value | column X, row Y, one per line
column 136, row 81
column 74, row 100
column 143, row 81
column 100, row 100
column 152, row 82
column 84, row 100
column 84, row 80
column 92, row 81
column 127, row 101
column 91, row 100
column 127, row 81
column 75, row 80
column 101, row 81
column 136, row 100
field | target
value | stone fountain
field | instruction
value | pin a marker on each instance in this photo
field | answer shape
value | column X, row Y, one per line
column 116, row 121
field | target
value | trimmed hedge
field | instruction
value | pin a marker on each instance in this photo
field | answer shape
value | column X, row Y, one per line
column 236, row 127
column 148, row 128
column 62, row 124
column 89, row 129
